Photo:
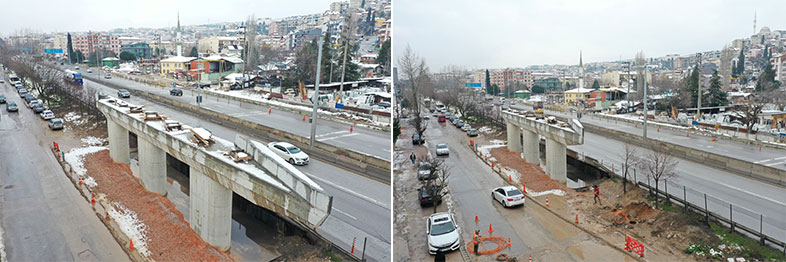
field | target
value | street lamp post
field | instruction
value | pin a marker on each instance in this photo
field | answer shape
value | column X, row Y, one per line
column 644, row 78
column 315, row 98
column 698, row 82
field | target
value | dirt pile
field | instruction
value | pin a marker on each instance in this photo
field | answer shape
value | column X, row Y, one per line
column 169, row 236
column 531, row 175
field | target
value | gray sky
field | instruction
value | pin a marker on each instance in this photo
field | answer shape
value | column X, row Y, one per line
column 517, row 33
column 101, row 15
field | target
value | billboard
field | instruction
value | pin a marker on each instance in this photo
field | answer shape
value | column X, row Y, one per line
column 473, row 85
column 53, row 51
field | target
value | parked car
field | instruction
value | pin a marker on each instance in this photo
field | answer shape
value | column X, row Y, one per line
column 425, row 198
column 466, row 127
column 176, row 92
column 38, row 108
column 2, row 99
column 417, row 139
column 22, row 92
column 459, row 123
column 508, row 196
column 29, row 97
column 442, row 149
column 122, row 93
column 11, row 107
column 289, row 152
column 424, row 171
column 76, row 68
column 55, row 123
column 33, row 103
column 472, row 132
column 443, row 233
column 108, row 76
column 47, row 114
column 89, row 70
column 2, row 81
column 441, row 118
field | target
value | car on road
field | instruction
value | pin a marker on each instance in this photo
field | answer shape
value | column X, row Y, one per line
column 108, row 76
column 425, row 198
column 442, row 150
column 508, row 196
column 441, row 118
column 122, row 93
column 176, row 92
column 22, row 92
column 47, row 114
column 418, row 139
column 89, row 70
column 55, row 123
column 443, row 233
column 76, row 68
column 2, row 99
column 384, row 104
column 424, row 171
column 2, row 81
column 38, row 108
column 472, row 132
column 289, row 152
column 466, row 127
column 11, row 107
column 458, row 123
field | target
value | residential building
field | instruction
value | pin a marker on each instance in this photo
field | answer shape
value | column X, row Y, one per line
column 127, row 40
column 175, row 64
column 140, row 50
column 577, row 95
column 110, row 62
column 509, row 77
column 778, row 62
column 91, row 42
column 549, row 84
column 219, row 44
column 213, row 68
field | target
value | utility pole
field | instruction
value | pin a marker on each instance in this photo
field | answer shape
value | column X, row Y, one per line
column 315, row 99
column 347, row 39
column 644, row 78
column 698, row 92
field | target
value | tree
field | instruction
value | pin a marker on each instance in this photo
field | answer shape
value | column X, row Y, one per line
column 384, row 56
column 267, row 53
column 305, row 62
column 438, row 181
column 194, row 52
column 78, row 57
column 488, row 83
column 690, row 89
column 127, row 56
column 415, row 74
column 495, row 90
column 70, row 47
column 630, row 158
column 538, row 89
column 351, row 70
column 741, row 63
column 717, row 97
column 250, row 53
column 659, row 164
column 328, row 65
column 766, row 81
column 595, row 85
column 396, row 130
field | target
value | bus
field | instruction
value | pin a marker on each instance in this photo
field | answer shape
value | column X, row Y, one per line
column 74, row 76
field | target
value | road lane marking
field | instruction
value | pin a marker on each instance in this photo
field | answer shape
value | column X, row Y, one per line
column 332, row 133
column 336, row 137
column 768, row 160
column 371, row 200
column 345, row 213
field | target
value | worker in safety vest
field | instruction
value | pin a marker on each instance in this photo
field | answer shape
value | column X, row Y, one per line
column 476, row 241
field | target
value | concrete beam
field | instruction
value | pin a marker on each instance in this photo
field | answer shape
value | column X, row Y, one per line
column 531, row 146
column 210, row 209
column 152, row 167
column 118, row 142
column 556, row 160
column 573, row 135
column 514, row 138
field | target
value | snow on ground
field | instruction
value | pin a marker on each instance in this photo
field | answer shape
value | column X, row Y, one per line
column 497, row 142
column 130, row 225
column 93, row 141
column 90, row 182
column 485, row 130
column 557, row 192
column 2, row 246
column 76, row 157
column 75, row 118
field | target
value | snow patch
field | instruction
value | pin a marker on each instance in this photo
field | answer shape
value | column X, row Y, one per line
column 93, row 141
column 76, row 157
column 75, row 118
column 90, row 182
column 557, row 192
column 131, row 226
column 485, row 130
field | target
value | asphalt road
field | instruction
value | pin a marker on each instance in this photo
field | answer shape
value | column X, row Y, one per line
column 43, row 216
column 531, row 229
column 361, row 207
column 362, row 140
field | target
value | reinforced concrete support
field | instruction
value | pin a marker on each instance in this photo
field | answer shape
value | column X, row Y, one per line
column 118, row 142
column 556, row 160
column 514, row 138
column 210, row 209
column 152, row 167
column 531, row 146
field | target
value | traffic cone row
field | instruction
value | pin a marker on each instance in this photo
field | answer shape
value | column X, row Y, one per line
column 547, row 202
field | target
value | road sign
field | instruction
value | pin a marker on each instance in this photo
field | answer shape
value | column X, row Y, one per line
column 473, row 85
column 53, row 51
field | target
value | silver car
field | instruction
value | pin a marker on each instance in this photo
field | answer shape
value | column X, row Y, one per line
column 442, row 150
column 55, row 123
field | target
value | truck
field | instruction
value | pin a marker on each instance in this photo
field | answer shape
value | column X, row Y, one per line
column 74, row 77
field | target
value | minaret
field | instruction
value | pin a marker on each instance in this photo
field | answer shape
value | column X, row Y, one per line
column 581, row 71
column 754, row 22
column 179, row 41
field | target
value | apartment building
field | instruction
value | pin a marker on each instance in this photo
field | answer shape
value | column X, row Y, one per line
column 508, row 77
column 89, row 43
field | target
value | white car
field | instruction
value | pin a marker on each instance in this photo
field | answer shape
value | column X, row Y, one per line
column 289, row 152
column 89, row 70
column 466, row 127
column 443, row 233
column 47, row 114
column 442, row 149
column 508, row 196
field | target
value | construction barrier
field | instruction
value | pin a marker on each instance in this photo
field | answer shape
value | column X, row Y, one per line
column 485, row 242
column 634, row 246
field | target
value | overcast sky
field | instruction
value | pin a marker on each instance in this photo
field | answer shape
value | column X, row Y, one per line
column 518, row 33
column 102, row 15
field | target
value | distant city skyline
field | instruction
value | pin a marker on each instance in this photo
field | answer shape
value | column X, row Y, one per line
column 500, row 34
column 96, row 15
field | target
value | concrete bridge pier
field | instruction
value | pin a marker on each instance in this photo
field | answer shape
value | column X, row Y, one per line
column 118, row 142
column 514, row 138
column 210, row 209
column 152, row 167
column 531, row 146
column 556, row 160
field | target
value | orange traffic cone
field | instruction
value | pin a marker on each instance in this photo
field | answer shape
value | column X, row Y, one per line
column 510, row 178
column 131, row 244
column 658, row 129
column 351, row 128
column 269, row 111
column 80, row 180
column 92, row 199
column 476, row 219
column 524, row 188
column 304, row 117
column 491, row 230
column 687, row 133
column 577, row 218
column 509, row 243
column 530, row 258
column 547, row 202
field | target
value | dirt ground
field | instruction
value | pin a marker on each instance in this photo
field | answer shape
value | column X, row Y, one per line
column 531, row 175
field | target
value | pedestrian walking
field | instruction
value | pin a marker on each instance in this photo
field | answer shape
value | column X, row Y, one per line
column 412, row 157
column 597, row 194
column 476, row 241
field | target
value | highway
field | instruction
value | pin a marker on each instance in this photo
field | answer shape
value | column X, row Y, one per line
column 361, row 206
column 362, row 140
column 42, row 215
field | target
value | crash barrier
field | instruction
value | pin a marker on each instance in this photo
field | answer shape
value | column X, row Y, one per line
column 497, row 243
column 634, row 246
column 711, row 208
column 745, row 168
column 365, row 165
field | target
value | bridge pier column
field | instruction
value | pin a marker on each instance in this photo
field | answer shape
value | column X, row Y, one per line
column 531, row 146
column 152, row 167
column 118, row 142
column 210, row 209
column 514, row 138
column 556, row 160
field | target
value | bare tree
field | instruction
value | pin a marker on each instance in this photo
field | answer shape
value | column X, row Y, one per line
column 659, row 164
column 630, row 159
column 415, row 73
column 640, row 75
column 438, row 181
column 251, row 48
